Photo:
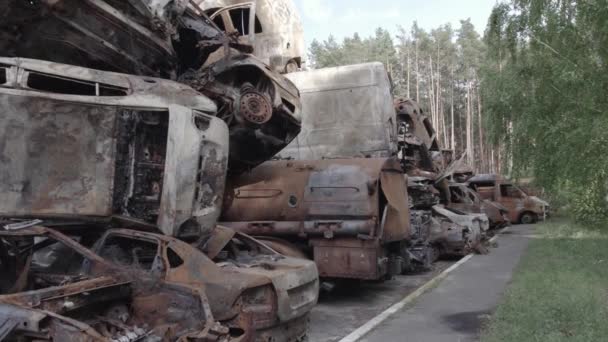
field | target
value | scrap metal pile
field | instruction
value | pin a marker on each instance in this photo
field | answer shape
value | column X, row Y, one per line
column 142, row 144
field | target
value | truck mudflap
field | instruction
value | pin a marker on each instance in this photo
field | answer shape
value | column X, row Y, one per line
column 350, row 258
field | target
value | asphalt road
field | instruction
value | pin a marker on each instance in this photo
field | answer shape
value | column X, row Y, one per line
column 456, row 310
column 350, row 306
column 453, row 311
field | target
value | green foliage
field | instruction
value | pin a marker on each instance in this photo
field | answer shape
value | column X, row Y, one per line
column 378, row 48
column 544, row 82
column 558, row 292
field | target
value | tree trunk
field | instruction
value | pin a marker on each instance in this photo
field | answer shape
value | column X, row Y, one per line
column 432, row 94
column 417, row 72
column 453, row 142
column 469, row 137
column 482, row 153
column 408, row 69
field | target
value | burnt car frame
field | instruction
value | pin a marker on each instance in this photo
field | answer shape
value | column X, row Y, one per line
column 465, row 199
column 522, row 207
column 54, row 289
column 272, row 27
column 256, row 293
column 80, row 143
column 249, row 286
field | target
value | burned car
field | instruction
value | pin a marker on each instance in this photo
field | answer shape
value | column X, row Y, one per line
column 253, row 291
column 522, row 208
column 272, row 27
column 81, row 143
column 171, row 39
column 54, row 289
column 455, row 233
column 464, row 199
column 250, row 287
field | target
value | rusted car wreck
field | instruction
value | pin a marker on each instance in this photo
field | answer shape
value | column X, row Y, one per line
column 325, row 199
column 356, row 189
column 54, row 289
column 150, row 287
column 521, row 207
column 85, row 151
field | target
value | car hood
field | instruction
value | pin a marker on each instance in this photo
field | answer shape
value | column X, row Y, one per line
column 539, row 201
column 294, row 280
column 479, row 221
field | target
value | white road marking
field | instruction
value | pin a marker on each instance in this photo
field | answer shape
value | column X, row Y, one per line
column 376, row 321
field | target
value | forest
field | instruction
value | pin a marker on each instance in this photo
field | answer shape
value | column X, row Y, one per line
column 525, row 99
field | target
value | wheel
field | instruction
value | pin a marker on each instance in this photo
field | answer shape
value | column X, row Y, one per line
column 528, row 218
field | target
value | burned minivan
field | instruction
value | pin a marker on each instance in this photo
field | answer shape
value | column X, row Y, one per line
column 521, row 207
column 79, row 143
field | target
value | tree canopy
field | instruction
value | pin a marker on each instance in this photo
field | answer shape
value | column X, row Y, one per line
column 544, row 84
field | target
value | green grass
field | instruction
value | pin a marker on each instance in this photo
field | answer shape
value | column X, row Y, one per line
column 559, row 291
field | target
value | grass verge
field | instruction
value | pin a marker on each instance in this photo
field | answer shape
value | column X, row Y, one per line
column 559, row 291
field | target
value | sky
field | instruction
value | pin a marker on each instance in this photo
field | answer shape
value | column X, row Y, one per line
column 343, row 18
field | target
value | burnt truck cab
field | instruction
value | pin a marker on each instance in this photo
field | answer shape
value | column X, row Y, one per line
column 349, row 215
column 272, row 27
column 521, row 207
column 80, row 144
column 465, row 199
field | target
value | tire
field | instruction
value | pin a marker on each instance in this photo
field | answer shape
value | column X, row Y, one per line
column 527, row 218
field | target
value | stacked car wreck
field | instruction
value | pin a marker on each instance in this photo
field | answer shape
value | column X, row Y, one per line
column 99, row 136
column 359, row 189
column 143, row 145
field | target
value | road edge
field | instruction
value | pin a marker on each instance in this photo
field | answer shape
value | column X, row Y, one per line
column 370, row 325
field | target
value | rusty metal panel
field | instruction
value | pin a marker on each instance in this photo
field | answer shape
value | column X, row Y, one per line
column 336, row 189
column 57, row 158
column 324, row 197
column 348, row 112
column 349, row 258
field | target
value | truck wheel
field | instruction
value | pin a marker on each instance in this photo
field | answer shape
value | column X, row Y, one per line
column 528, row 218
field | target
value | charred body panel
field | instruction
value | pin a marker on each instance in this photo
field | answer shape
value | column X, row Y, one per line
column 413, row 122
column 64, row 292
column 347, row 114
column 151, row 155
column 135, row 37
column 163, row 38
column 347, row 210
